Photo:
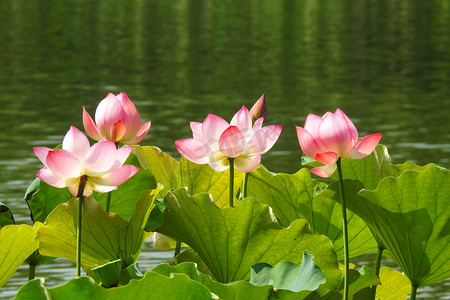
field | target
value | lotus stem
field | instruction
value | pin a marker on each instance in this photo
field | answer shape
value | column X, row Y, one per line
column 377, row 268
column 344, row 228
column 244, row 186
column 231, row 186
column 108, row 201
column 80, row 196
column 31, row 271
column 378, row 261
column 177, row 249
column 413, row 292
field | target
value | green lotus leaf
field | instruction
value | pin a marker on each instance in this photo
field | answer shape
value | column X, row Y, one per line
column 289, row 276
column 17, row 243
column 236, row 290
column 293, row 197
column 394, row 285
column 197, row 178
column 105, row 236
column 6, row 216
column 360, row 282
column 42, row 199
column 189, row 255
column 411, row 215
column 109, row 273
column 232, row 240
column 371, row 169
column 151, row 286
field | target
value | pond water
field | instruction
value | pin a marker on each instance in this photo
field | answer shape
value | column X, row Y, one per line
column 385, row 63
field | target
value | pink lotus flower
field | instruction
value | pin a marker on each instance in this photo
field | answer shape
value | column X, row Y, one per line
column 117, row 119
column 259, row 109
column 216, row 141
column 327, row 138
column 101, row 164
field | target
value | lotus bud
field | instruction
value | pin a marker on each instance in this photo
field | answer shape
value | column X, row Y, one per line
column 259, row 109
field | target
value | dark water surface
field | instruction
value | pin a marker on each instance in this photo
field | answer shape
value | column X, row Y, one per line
column 385, row 63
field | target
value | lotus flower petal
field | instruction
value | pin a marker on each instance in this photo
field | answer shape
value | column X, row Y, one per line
column 325, row 171
column 108, row 112
column 246, row 165
column 308, row 143
column 327, row 158
column 132, row 119
column 140, row 135
column 220, row 164
column 63, row 163
column 243, row 120
column 364, row 146
column 118, row 130
column 350, row 125
column 41, row 153
column 90, row 127
column 100, row 158
column 194, row 150
column 197, row 132
column 259, row 109
column 312, row 124
column 51, row 178
column 117, row 177
column 212, row 129
column 335, row 135
column 76, row 143
column 258, row 124
column 232, row 142
column 263, row 140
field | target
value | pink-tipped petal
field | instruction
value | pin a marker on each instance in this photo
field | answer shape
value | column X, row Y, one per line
column 197, row 132
column 364, row 146
column 350, row 125
column 194, row 150
column 123, row 153
column 232, row 142
column 307, row 142
column 132, row 118
column 243, row 120
column 259, row 109
column 41, row 153
column 141, row 134
column 90, row 127
column 100, row 158
column 335, row 135
column 246, row 165
column 258, row 124
column 327, row 158
column 122, row 97
column 118, row 130
column 263, row 140
column 117, row 177
column 312, row 123
column 212, row 129
column 63, row 163
column 108, row 112
column 51, row 178
column 325, row 171
column 76, row 143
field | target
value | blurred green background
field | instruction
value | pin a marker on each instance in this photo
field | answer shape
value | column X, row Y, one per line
column 385, row 63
